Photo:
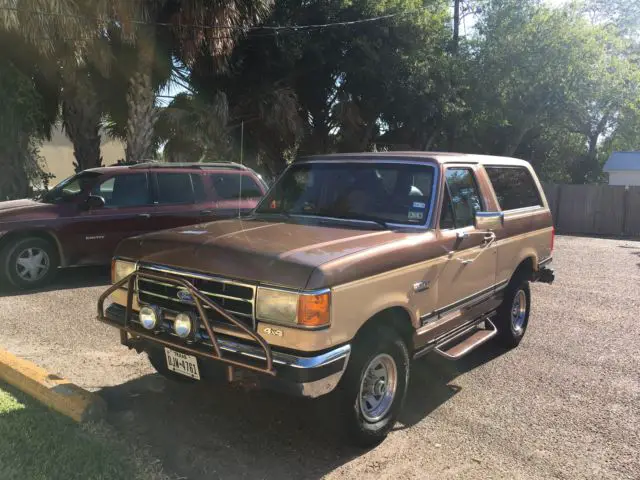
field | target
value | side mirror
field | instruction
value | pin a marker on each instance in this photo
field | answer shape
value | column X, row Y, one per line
column 488, row 220
column 94, row 202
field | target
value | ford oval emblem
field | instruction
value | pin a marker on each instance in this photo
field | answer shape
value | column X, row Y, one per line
column 184, row 296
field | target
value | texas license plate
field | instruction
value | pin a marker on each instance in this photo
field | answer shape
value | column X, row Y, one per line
column 186, row 365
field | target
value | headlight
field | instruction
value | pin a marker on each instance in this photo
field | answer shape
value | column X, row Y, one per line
column 149, row 317
column 121, row 269
column 291, row 308
column 277, row 306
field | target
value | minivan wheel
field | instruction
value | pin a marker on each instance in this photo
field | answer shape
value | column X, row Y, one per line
column 512, row 318
column 374, row 386
column 29, row 263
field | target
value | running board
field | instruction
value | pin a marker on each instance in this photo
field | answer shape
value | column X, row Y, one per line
column 467, row 340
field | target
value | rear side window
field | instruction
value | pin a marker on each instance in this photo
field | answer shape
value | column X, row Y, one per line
column 514, row 187
column 228, row 186
column 174, row 188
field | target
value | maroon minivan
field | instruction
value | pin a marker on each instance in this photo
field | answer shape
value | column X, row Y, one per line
column 82, row 220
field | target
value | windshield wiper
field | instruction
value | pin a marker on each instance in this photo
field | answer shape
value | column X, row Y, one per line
column 358, row 218
column 367, row 218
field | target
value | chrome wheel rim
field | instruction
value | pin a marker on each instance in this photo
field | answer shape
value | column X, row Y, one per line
column 32, row 264
column 519, row 311
column 378, row 387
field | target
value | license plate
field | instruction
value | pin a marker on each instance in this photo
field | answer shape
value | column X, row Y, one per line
column 186, row 365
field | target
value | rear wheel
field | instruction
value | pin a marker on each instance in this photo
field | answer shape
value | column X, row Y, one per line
column 29, row 262
column 512, row 319
column 374, row 386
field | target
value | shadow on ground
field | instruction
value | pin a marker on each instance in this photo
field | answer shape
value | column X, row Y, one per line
column 220, row 431
column 66, row 279
column 631, row 247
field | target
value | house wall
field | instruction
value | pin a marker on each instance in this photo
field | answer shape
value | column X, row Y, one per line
column 625, row 178
column 59, row 158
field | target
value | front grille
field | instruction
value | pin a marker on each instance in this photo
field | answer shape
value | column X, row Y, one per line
column 235, row 298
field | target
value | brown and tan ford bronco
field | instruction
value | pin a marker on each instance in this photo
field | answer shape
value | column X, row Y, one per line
column 351, row 267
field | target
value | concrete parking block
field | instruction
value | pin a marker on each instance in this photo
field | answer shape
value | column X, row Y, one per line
column 55, row 392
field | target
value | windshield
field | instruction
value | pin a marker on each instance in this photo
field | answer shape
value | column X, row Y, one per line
column 381, row 192
column 71, row 187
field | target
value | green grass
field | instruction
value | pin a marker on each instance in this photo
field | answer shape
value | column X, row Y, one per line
column 38, row 443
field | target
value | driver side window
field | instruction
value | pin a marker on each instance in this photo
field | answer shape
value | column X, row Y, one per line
column 461, row 201
column 129, row 190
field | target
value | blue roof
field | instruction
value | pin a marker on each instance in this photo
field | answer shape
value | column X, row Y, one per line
column 623, row 161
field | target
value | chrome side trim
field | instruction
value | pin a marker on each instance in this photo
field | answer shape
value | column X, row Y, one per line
column 471, row 300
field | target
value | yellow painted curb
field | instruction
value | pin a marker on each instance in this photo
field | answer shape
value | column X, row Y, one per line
column 53, row 391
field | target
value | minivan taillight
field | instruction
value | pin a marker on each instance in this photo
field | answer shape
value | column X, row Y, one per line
column 553, row 237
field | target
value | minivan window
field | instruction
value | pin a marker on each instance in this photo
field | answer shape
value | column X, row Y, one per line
column 71, row 187
column 464, row 194
column 174, row 188
column 514, row 187
column 233, row 186
column 128, row 190
column 198, row 187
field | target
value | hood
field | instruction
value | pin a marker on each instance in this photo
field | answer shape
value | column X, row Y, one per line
column 13, row 209
column 267, row 252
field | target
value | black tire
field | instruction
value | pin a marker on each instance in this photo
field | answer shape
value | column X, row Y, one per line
column 510, row 331
column 11, row 269
column 159, row 363
column 379, row 343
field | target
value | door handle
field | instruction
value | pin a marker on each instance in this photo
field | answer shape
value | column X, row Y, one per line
column 144, row 215
column 206, row 212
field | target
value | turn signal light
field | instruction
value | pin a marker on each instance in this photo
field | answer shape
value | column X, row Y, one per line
column 313, row 310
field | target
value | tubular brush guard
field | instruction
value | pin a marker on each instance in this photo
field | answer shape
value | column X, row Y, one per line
column 199, row 299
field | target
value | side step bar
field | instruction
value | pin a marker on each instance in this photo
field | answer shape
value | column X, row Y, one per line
column 467, row 340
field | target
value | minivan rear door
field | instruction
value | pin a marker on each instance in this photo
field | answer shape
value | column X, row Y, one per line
column 180, row 200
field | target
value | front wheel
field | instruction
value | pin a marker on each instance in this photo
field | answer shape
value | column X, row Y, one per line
column 512, row 318
column 29, row 263
column 374, row 386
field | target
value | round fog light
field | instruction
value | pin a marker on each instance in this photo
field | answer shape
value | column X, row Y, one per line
column 183, row 325
column 148, row 317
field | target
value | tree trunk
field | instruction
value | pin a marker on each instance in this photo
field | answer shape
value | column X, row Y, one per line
column 141, row 104
column 81, row 114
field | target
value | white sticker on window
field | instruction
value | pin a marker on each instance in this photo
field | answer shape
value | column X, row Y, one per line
column 416, row 215
column 419, row 205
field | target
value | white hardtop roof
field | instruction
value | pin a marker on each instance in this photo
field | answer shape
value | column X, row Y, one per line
column 623, row 161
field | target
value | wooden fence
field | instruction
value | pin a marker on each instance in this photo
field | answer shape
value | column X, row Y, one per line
column 595, row 209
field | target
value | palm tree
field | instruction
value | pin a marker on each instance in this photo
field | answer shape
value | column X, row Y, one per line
column 188, row 27
column 68, row 41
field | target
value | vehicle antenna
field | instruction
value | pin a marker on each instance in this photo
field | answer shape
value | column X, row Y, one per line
column 241, row 163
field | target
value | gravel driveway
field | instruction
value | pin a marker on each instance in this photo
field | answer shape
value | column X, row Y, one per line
column 565, row 404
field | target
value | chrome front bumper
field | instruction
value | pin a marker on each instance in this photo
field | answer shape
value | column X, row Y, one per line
column 310, row 376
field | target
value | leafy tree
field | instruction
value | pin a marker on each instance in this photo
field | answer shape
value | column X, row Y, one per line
column 21, row 128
